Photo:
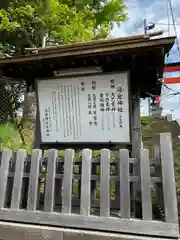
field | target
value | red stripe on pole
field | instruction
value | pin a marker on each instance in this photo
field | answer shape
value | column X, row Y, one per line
column 172, row 68
column 157, row 100
column 172, row 80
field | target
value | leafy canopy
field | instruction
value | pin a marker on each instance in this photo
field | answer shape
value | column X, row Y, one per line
column 25, row 23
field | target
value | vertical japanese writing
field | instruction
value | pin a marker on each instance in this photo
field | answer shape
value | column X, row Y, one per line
column 107, row 104
column 113, row 109
column 112, row 83
column 47, row 122
column 69, row 110
column 93, row 85
column 60, row 105
column 82, row 86
column 79, row 113
column 54, row 109
column 94, row 110
column 102, row 106
column 90, row 109
column 85, row 109
column 120, row 104
column 66, row 110
column 73, row 113
column 76, row 110
column 113, row 102
column 120, row 121
column 63, row 109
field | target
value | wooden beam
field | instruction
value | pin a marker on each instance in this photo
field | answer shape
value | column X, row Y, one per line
column 16, row 231
column 87, row 49
column 130, row 226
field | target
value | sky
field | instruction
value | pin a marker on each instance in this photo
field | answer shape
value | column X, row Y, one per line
column 155, row 11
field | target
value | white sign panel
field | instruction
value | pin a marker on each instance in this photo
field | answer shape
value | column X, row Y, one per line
column 86, row 109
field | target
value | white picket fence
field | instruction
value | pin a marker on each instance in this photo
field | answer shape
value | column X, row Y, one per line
column 90, row 193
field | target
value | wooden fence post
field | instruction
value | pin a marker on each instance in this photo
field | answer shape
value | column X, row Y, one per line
column 104, row 183
column 67, row 181
column 34, row 180
column 168, row 178
column 50, row 181
column 4, row 170
column 85, row 202
column 145, row 185
column 18, row 178
column 124, row 184
column 159, row 189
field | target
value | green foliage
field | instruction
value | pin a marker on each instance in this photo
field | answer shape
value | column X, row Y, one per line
column 11, row 139
column 4, row 4
column 152, row 126
column 5, row 22
column 112, row 11
column 6, row 91
column 24, row 23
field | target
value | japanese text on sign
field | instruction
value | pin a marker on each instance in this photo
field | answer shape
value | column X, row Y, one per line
column 85, row 109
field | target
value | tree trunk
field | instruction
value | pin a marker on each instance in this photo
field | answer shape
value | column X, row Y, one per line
column 29, row 113
column 5, row 107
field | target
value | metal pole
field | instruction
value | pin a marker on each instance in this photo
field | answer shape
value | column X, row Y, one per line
column 145, row 26
column 149, row 106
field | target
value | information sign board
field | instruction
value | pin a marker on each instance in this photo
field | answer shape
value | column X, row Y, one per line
column 89, row 109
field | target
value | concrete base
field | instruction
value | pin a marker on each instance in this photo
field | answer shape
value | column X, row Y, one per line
column 14, row 231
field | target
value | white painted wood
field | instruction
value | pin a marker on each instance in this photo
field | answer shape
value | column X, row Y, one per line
column 124, row 184
column 145, row 185
column 158, row 185
column 130, row 226
column 34, row 179
column 4, row 170
column 168, row 178
column 67, row 181
column 104, row 183
column 97, row 177
column 50, row 181
column 73, row 93
column 85, row 205
column 136, row 141
column 18, row 178
column 16, row 231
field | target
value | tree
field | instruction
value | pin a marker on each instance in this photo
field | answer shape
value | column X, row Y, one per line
column 4, row 4
column 25, row 23
column 7, row 90
column 31, row 23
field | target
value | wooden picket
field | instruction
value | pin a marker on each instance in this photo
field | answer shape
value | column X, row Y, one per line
column 6, row 156
column 124, row 184
column 18, row 175
column 83, row 211
column 50, row 181
column 86, row 180
column 104, row 183
column 145, row 185
column 67, row 181
column 33, row 180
